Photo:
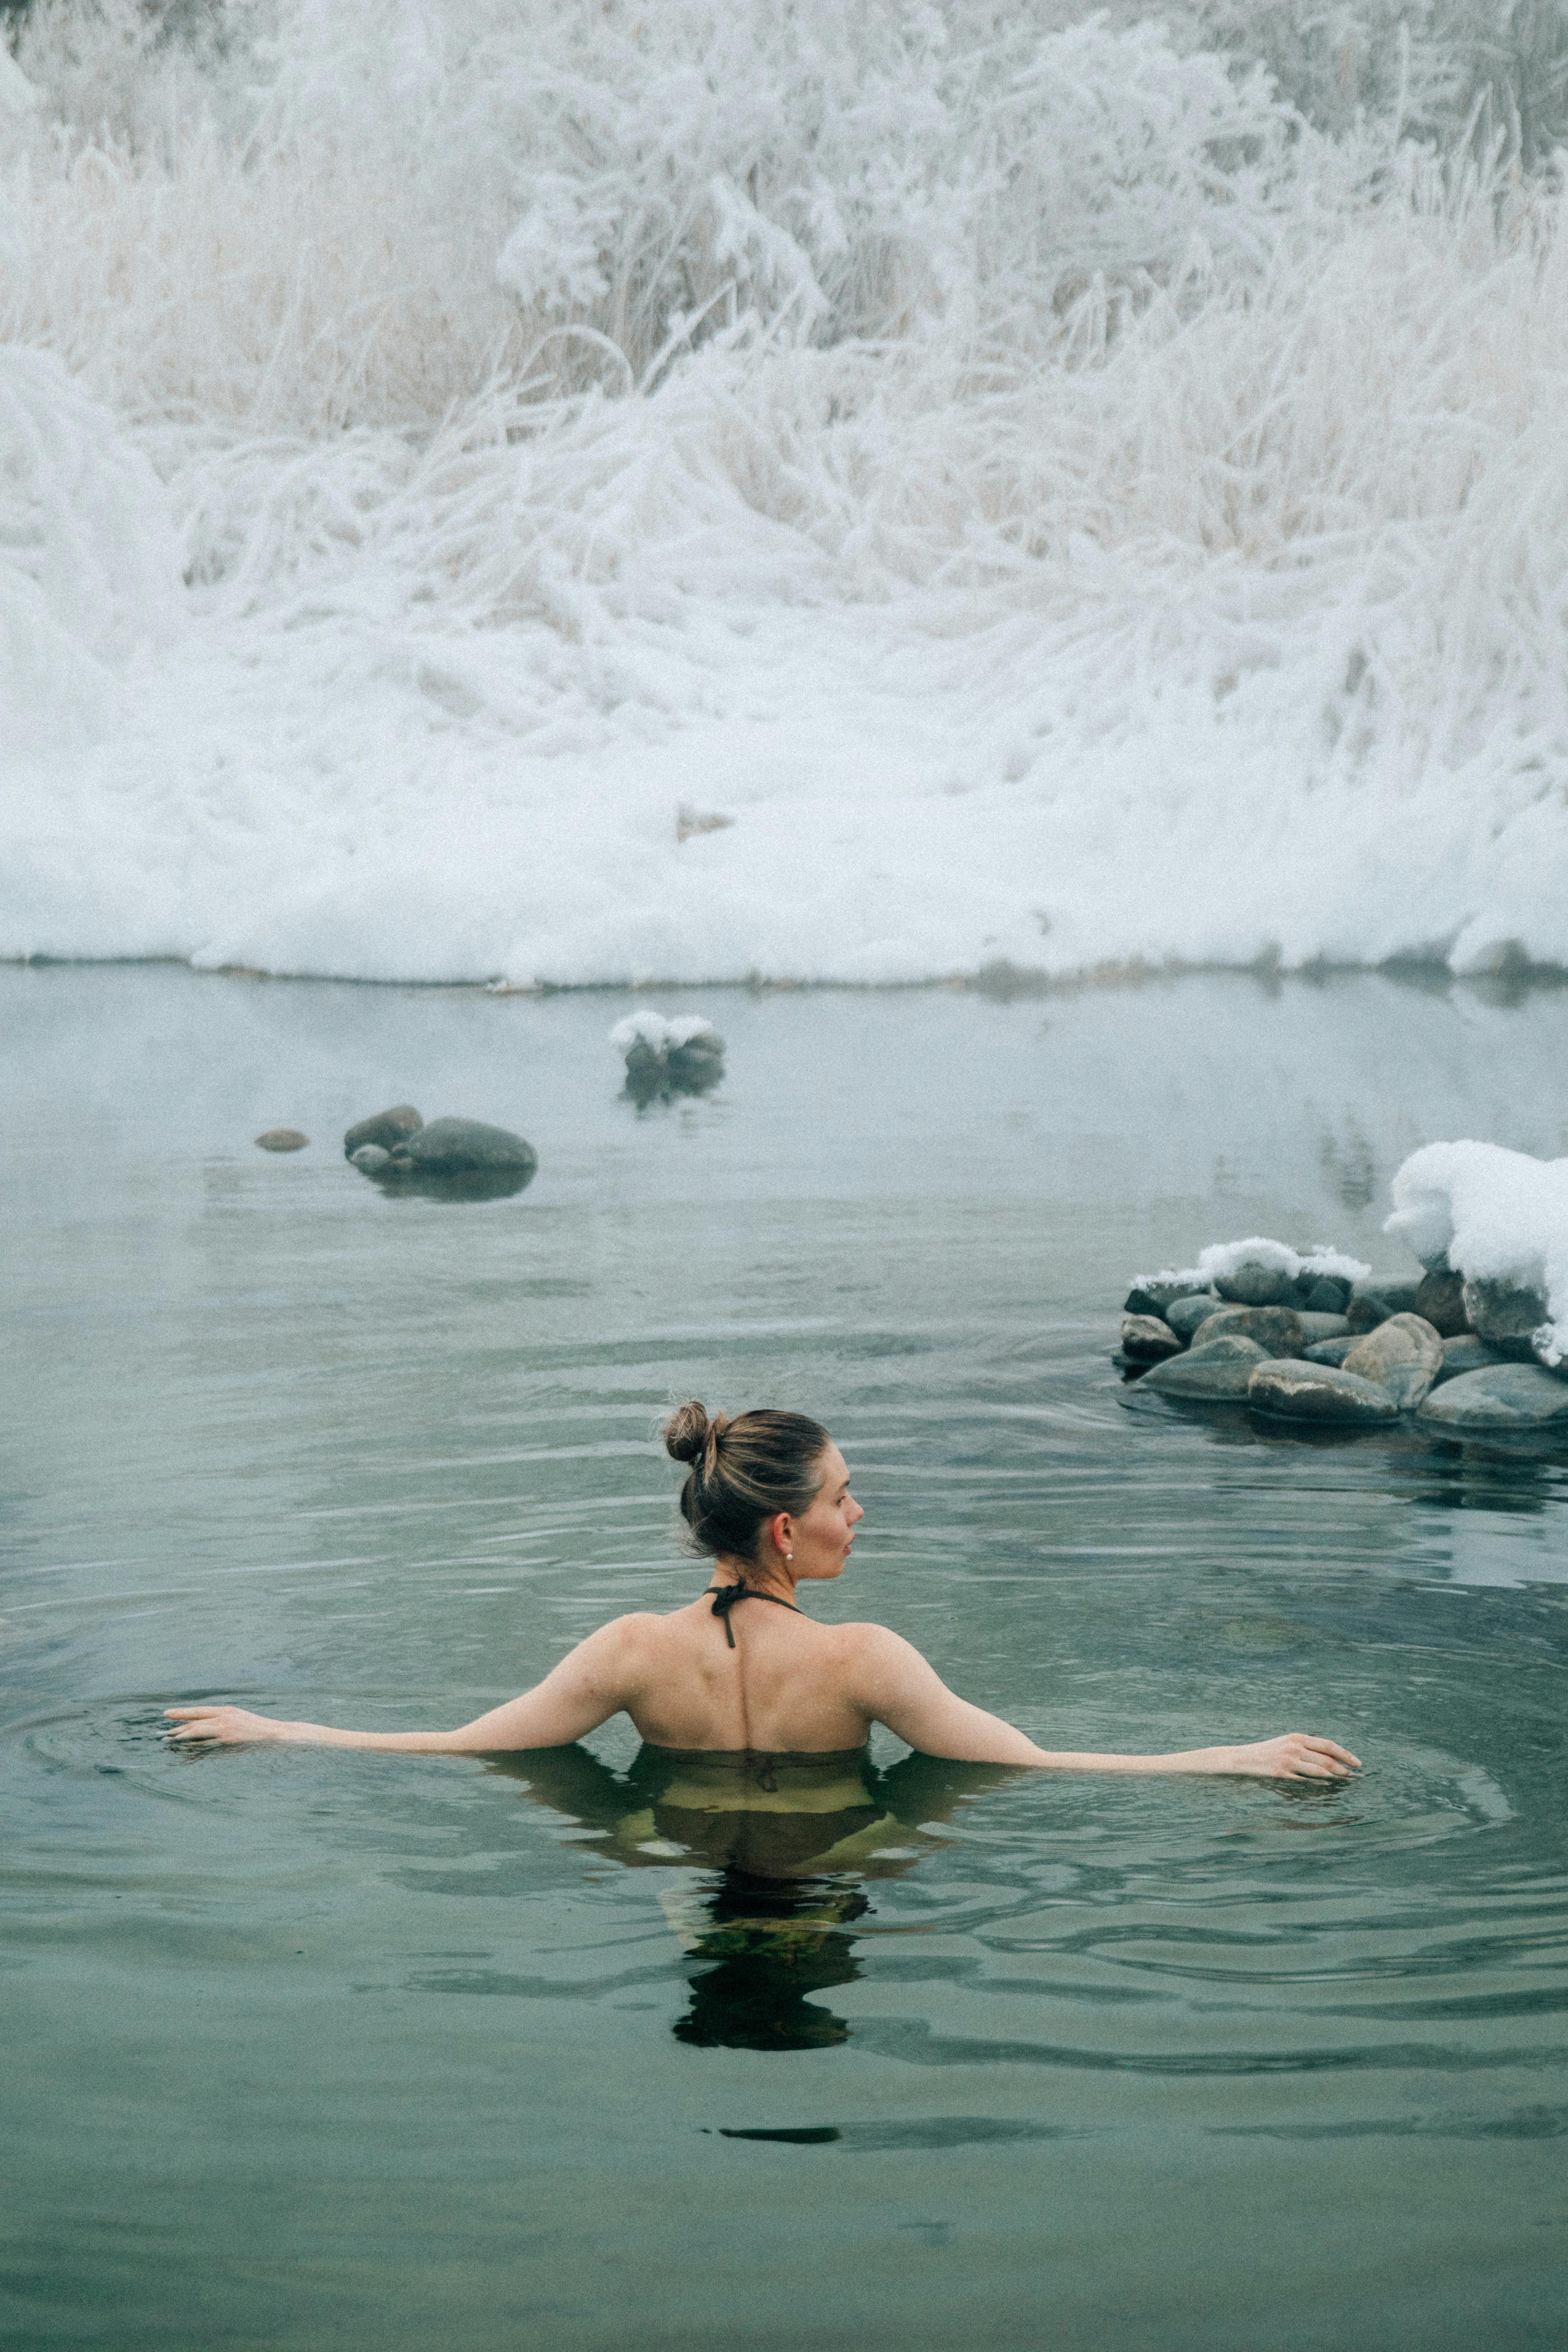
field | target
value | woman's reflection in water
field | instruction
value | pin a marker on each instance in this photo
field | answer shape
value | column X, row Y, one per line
column 785, row 1843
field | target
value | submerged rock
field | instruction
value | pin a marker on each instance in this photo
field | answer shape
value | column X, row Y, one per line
column 1373, row 1301
column 1214, row 1373
column 1257, row 1284
column 1440, row 1300
column 1505, row 1316
column 1152, row 1297
column 1504, row 1397
column 1185, row 1316
column 1318, row 1393
column 282, row 1138
column 1405, row 1354
column 1277, row 1329
column 1332, row 1352
column 386, row 1129
column 1147, row 1339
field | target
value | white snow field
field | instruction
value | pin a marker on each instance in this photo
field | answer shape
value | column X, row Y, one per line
column 1064, row 508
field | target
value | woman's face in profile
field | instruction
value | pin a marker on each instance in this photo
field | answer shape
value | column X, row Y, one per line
column 823, row 1534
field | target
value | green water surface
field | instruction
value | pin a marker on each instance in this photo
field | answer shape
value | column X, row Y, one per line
column 307, row 2049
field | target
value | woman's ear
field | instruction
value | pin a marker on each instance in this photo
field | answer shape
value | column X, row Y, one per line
column 779, row 1529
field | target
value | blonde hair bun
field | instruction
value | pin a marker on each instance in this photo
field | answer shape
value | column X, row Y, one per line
column 686, row 1431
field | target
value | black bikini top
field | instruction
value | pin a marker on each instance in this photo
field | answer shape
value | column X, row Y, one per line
column 726, row 1596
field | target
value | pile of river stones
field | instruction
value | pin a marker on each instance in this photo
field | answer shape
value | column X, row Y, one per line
column 395, row 1148
column 1458, row 1356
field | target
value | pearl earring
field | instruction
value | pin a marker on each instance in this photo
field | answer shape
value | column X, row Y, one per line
column 789, row 1555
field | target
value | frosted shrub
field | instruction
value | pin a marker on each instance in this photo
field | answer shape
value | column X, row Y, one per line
column 502, row 367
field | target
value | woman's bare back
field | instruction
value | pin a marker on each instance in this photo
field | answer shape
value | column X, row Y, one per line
column 786, row 1685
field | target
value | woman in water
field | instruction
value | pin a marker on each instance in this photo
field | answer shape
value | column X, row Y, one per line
column 767, row 1499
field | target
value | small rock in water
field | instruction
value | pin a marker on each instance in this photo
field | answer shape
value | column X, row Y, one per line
column 1318, row 1327
column 1277, row 1329
column 1373, row 1301
column 1440, row 1300
column 1332, row 1352
column 1215, row 1373
column 282, row 1138
column 1405, row 1354
column 1255, row 1283
column 1505, row 1317
column 1147, row 1339
column 1465, row 1353
column 1503, row 1397
column 1184, row 1315
column 1325, row 1294
column 663, row 1056
column 387, row 1128
column 1152, row 1297
column 370, row 1159
column 1318, row 1393
column 465, row 1147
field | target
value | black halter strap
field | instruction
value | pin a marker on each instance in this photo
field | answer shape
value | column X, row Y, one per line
column 726, row 1596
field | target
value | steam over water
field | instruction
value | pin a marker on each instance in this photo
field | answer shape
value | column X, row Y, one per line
column 1064, row 495
column 315, row 2048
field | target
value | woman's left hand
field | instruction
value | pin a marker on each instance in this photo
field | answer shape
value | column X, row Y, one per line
column 223, row 1726
column 1296, row 1755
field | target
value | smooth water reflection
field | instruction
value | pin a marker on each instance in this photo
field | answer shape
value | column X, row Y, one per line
column 310, row 2047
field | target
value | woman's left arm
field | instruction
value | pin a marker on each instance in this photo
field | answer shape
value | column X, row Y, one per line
column 592, row 1683
column 894, row 1685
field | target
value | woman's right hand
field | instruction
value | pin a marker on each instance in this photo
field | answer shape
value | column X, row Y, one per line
column 1295, row 1756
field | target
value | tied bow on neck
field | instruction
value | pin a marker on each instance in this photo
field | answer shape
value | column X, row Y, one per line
column 726, row 1596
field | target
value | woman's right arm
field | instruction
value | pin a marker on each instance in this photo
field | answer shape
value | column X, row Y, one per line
column 896, row 1686
column 592, row 1683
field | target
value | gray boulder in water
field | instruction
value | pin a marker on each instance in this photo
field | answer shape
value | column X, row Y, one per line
column 370, row 1159
column 1187, row 1316
column 1373, row 1301
column 1154, row 1298
column 282, row 1138
column 1465, row 1353
column 1215, row 1373
column 1440, row 1301
column 1332, row 1352
column 1505, row 1317
column 465, row 1147
column 1323, row 1294
column 680, row 1056
column 1254, row 1284
column 1404, row 1354
column 1148, row 1339
column 1317, row 1328
column 386, row 1129
column 1318, row 1393
column 1503, row 1398
column 1277, row 1329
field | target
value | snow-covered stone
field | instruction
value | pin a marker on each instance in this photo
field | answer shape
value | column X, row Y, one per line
column 1496, row 1217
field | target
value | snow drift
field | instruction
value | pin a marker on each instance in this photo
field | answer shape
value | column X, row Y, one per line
column 1059, row 505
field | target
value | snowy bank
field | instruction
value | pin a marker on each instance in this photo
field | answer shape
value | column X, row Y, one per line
column 1017, row 494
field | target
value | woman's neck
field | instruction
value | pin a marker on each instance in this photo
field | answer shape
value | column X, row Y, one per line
column 763, row 1574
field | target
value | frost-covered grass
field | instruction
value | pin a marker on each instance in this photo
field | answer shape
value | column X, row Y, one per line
column 1062, row 504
